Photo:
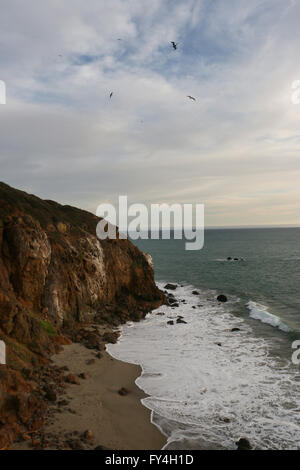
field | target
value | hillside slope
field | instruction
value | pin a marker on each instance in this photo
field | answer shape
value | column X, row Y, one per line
column 55, row 277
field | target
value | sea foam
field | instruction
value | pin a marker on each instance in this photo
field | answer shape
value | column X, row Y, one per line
column 260, row 312
column 209, row 386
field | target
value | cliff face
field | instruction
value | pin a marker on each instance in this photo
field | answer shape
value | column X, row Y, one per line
column 54, row 276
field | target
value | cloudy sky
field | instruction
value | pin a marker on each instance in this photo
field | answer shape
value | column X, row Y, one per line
column 236, row 148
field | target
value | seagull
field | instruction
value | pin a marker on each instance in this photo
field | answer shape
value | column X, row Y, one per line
column 174, row 45
column 191, row 97
column 111, row 94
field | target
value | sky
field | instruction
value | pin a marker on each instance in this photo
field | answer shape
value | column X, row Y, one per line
column 236, row 149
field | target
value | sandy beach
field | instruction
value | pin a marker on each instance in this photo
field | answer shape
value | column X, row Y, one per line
column 117, row 421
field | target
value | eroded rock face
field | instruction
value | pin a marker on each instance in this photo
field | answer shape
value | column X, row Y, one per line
column 52, row 264
column 149, row 260
column 55, row 275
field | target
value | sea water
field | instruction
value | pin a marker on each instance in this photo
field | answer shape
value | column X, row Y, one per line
column 208, row 385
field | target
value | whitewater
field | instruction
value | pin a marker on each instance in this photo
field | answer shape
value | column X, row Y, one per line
column 208, row 386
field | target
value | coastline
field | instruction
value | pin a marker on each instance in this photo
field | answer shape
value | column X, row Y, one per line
column 118, row 422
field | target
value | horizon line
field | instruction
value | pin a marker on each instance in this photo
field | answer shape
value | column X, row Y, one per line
column 221, row 227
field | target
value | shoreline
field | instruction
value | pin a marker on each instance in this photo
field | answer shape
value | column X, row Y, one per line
column 113, row 421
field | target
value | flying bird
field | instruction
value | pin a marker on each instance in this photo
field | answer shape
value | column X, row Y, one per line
column 174, row 45
column 191, row 97
column 111, row 94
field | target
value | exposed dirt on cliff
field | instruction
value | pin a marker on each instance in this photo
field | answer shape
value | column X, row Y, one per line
column 56, row 278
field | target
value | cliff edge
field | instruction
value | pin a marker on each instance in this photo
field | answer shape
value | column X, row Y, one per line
column 56, row 278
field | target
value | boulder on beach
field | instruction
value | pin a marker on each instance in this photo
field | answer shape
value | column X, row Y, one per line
column 72, row 379
column 84, row 375
column 195, row 292
column 179, row 320
column 123, row 391
column 88, row 435
column 170, row 286
column 170, row 322
column 222, row 298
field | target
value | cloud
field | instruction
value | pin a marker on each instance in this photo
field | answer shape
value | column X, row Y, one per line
column 235, row 149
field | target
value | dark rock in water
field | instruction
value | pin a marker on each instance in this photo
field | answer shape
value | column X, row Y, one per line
column 172, row 302
column 195, row 292
column 225, row 420
column 235, row 329
column 219, row 344
column 170, row 286
column 229, row 258
column 235, row 259
column 222, row 298
column 160, row 313
column 170, row 322
column 193, row 306
column 179, row 320
column 243, row 444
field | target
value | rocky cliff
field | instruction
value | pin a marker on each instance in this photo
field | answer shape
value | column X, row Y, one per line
column 55, row 278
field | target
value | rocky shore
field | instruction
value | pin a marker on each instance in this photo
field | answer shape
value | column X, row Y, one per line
column 59, row 285
column 94, row 404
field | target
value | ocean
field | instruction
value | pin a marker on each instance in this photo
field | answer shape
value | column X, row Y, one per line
column 208, row 386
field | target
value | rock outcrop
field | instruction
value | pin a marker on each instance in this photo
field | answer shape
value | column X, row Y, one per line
column 55, row 276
